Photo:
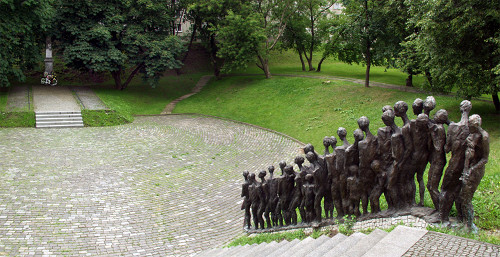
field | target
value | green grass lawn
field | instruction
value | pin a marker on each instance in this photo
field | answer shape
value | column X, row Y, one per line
column 142, row 99
column 21, row 118
column 288, row 62
column 308, row 110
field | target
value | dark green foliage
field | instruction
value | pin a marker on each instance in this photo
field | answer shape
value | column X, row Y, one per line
column 458, row 44
column 113, row 35
column 22, row 36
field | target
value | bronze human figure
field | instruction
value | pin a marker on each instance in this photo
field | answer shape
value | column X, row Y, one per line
column 246, row 201
column 352, row 165
column 299, row 181
column 476, row 157
column 367, row 154
column 334, row 178
column 405, row 171
column 273, row 202
column 421, row 151
column 429, row 105
column 354, row 189
column 456, row 142
column 340, row 166
column 379, row 187
column 308, row 189
column 285, row 192
column 384, row 152
column 437, row 155
column 255, row 191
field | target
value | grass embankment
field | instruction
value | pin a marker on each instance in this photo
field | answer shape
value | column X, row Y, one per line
column 141, row 99
column 288, row 62
column 308, row 109
column 20, row 118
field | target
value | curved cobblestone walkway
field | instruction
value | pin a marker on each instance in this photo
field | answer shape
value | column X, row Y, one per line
column 163, row 185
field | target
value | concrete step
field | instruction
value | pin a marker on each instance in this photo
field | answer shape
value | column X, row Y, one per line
column 397, row 242
column 310, row 247
column 232, row 250
column 296, row 247
column 270, row 248
column 58, row 119
column 327, row 245
column 283, row 247
column 364, row 245
column 251, row 251
column 345, row 245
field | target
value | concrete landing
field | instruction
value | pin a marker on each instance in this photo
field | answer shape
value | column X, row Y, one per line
column 54, row 99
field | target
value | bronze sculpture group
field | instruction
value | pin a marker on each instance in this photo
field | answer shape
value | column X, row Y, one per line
column 374, row 165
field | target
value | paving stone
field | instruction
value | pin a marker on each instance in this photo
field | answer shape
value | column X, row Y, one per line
column 438, row 244
column 88, row 99
column 50, row 99
column 164, row 185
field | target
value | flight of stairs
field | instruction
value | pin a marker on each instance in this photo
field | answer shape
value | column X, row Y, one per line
column 58, row 119
column 377, row 243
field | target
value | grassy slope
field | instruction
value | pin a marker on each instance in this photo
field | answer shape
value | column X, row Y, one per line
column 308, row 110
column 288, row 63
column 140, row 98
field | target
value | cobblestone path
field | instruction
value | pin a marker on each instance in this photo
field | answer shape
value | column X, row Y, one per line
column 163, row 185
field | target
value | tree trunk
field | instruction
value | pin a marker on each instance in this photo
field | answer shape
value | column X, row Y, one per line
column 319, row 64
column 264, row 66
column 368, row 65
column 429, row 77
column 191, row 40
column 131, row 76
column 117, row 79
column 302, row 61
column 496, row 102
column 409, row 80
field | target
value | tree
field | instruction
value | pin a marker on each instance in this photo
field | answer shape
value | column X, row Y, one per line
column 304, row 32
column 112, row 35
column 206, row 16
column 253, row 32
column 361, row 37
column 458, row 42
column 23, row 25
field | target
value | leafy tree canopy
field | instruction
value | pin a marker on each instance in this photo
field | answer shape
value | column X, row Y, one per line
column 113, row 35
column 22, row 35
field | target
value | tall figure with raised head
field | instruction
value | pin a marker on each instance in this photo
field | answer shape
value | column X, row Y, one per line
column 264, row 199
column 334, row 178
column 456, row 143
column 405, row 172
column 246, row 200
column 273, row 202
column 285, row 192
column 429, row 105
column 417, row 106
column 476, row 157
column 340, row 166
column 255, row 191
column 437, row 155
column 421, row 151
column 367, row 154
column 299, row 182
column 384, row 152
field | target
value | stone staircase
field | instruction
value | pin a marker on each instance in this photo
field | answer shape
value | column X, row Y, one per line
column 58, row 119
column 377, row 243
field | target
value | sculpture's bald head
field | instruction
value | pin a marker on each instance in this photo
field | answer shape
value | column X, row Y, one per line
column 429, row 104
column 342, row 132
column 388, row 117
column 465, row 106
column 441, row 116
column 417, row 106
column 400, row 108
column 358, row 135
column 363, row 123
